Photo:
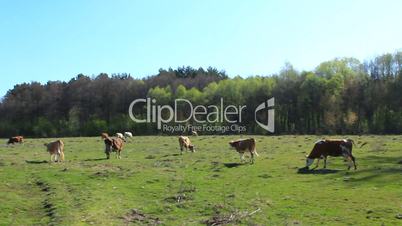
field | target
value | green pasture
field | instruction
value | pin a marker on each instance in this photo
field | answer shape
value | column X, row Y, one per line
column 153, row 184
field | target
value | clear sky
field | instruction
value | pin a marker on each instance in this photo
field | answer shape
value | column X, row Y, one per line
column 56, row 40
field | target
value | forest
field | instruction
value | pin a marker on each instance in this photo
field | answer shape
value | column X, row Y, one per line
column 340, row 96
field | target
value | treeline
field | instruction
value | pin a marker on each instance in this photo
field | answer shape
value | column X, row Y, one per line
column 342, row 96
column 85, row 105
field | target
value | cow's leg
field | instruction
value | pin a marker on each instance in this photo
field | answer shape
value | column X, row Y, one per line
column 252, row 157
column 316, row 165
column 241, row 156
column 51, row 159
column 325, row 162
column 349, row 162
column 107, row 155
column 354, row 161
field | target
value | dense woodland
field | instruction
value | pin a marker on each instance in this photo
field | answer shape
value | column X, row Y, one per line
column 342, row 96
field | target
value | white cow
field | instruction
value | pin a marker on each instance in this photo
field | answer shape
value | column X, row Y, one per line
column 128, row 134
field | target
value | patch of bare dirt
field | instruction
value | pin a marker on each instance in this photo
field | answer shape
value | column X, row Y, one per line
column 136, row 216
column 229, row 218
column 47, row 204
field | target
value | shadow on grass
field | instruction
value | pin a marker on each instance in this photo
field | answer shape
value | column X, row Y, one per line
column 170, row 155
column 382, row 159
column 382, row 174
column 36, row 161
column 92, row 160
column 382, row 170
column 304, row 170
column 233, row 164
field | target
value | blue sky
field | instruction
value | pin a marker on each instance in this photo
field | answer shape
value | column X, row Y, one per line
column 56, row 40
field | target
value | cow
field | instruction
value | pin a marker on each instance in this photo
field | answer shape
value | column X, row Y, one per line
column 56, row 150
column 128, row 134
column 244, row 145
column 194, row 133
column 104, row 136
column 16, row 139
column 324, row 148
column 186, row 143
column 113, row 144
column 119, row 135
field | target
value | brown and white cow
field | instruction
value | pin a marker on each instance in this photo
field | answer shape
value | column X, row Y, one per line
column 244, row 145
column 325, row 148
column 186, row 143
column 56, row 150
column 16, row 139
column 113, row 144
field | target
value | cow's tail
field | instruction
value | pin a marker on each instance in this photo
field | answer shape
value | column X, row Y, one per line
column 61, row 153
column 254, row 149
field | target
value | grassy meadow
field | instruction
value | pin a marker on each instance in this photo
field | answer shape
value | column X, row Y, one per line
column 153, row 184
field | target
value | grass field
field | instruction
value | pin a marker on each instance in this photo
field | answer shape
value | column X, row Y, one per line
column 153, row 184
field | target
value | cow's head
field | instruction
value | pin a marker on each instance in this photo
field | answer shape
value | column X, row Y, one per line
column 191, row 147
column 309, row 161
column 10, row 141
column 232, row 144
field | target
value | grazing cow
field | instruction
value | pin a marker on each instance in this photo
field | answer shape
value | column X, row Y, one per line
column 119, row 135
column 325, row 148
column 128, row 134
column 56, row 150
column 244, row 145
column 113, row 144
column 194, row 133
column 16, row 139
column 104, row 136
column 186, row 143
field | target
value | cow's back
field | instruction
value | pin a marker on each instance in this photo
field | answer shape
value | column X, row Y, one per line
column 329, row 148
column 247, row 144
